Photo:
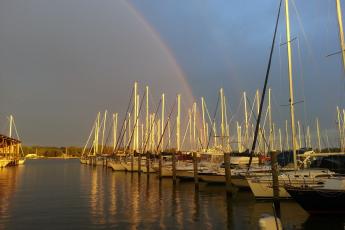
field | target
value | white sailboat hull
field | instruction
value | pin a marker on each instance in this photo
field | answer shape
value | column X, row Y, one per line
column 128, row 167
column 4, row 163
column 264, row 190
column 262, row 186
column 144, row 169
column 116, row 166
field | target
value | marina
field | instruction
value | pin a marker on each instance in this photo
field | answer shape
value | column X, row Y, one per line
column 128, row 126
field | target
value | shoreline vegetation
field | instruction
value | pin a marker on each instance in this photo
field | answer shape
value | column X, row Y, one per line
column 53, row 152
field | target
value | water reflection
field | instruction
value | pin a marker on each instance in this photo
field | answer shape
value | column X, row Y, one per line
column 77, row 196
column 230, row 214
column 97, row 196
column 8, row 183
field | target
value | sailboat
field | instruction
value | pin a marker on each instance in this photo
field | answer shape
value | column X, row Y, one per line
column 20, row 157
column 328, row 197
column 262, row 187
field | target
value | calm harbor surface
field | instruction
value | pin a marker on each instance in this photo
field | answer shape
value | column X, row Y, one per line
column 63, row 194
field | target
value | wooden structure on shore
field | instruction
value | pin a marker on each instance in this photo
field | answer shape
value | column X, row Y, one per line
column 9, row 151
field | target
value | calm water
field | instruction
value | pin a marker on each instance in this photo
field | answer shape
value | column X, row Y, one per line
column 63, row 194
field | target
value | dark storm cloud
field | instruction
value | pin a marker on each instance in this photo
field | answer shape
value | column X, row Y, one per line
column 62, row 61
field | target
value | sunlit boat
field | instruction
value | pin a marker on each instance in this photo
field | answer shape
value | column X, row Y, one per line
column 144, row 167
column 327, row 198
column 4, row 162
column 21, row 161
column 83, row 160
column 116, row 166
column 261, row 186
column 238, row 175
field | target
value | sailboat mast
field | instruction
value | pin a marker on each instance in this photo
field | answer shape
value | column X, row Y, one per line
column 270, row 121
column 239, row 141
column 190, row 127
column 287, row 135
column 222, row 116
column 280, row 140
column 227, row 127
column 11, row 121
column 258, row 110
column 147, row 114
column 194, row 125
column 103, row 130
column 246, row 134
column 163, row 122
column 203, row 121
column 308, row 136
column 178, row 122
column 291, row 100
column 135, row 93
column 299, row 135
column 340, row 130
column 341, row 31
column 115, row 118
column 137, row 124
column 318, row 134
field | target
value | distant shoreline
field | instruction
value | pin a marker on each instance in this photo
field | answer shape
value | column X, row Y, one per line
column 43, row 158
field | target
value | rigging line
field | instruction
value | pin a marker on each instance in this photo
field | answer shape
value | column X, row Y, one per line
column 122, row 131
column 165, row 126
column 87, row 142
column 90, row 150
column 108, row 135
column 264, row 89
column 276, row 105
column 126, row 128
column 211, row 127
column 15, row 129
column 291, row 40
column 171, row 131
column 252, row 105
column 123, row 128
column 261, row 129
column 153, row 122
column 237, row 110
column 136, row 123
column 334, row 53
column 227, row 123
column 123, row 123
column 214, row 117
column 280, row 67
column 208, row 113
column 251, row 114
column 309, row 49
column 185, row 133
column 302, row 81
column 102, row 125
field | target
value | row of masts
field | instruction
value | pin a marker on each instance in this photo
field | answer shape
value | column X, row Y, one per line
column 143, row 131
column 155, row 126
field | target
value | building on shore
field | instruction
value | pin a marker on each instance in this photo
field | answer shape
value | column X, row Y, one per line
column 9, row 151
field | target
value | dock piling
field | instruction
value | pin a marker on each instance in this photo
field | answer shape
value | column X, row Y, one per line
column 174, row 167
column 132, row 162
column 227, row 173
column 195, row 167
column 275, row 180
column 160, row 165
column 147, row 162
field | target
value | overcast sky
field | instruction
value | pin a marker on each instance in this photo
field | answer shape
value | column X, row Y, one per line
column 63, row 61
